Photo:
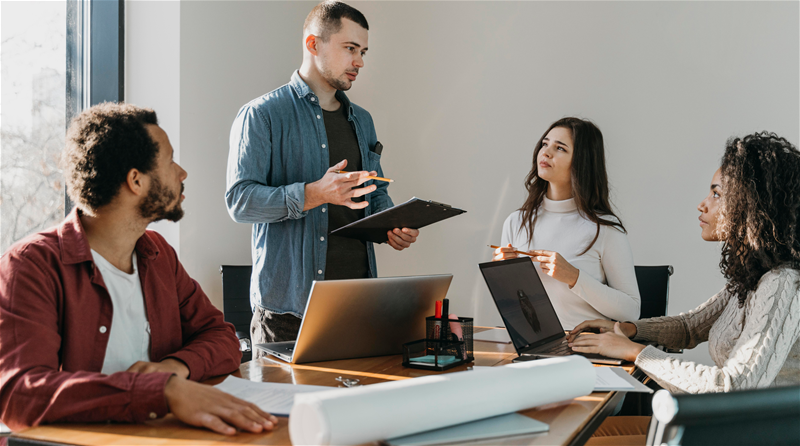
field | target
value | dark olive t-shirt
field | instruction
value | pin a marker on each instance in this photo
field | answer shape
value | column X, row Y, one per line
column 347, row 257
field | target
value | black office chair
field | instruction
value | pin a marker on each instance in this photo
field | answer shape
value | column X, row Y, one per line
column 750, row 417
column 236, row 303
column 653, row 289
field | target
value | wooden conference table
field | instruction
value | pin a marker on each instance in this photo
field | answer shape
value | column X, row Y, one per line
column 571, row 422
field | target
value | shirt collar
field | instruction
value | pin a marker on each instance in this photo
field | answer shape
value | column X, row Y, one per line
column 75, row 246
column 302, row 90
column 299, row 85
column 562, row 206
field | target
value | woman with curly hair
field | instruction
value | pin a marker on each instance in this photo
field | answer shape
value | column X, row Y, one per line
column 753, row 324
column 568, row 225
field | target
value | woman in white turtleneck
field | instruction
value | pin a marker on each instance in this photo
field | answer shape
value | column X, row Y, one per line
column 567, row 223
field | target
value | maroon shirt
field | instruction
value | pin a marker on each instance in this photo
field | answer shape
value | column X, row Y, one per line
column 55, row 319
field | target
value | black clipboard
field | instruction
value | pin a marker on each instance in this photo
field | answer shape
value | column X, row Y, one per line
column 413, row 214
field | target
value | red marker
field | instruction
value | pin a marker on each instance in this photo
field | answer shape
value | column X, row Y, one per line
column 438, row 315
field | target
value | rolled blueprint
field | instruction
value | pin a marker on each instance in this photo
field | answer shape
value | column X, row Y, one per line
column 397, row 408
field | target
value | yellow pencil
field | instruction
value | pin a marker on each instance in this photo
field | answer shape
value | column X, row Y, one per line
column 388, row 180
column 516, row 252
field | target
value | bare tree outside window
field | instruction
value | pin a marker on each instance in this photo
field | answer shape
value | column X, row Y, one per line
column 33, row 113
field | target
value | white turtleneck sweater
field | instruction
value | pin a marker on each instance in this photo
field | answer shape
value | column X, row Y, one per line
column 606, row 286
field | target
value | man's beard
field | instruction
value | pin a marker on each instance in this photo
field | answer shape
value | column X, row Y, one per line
column 154, row 205
column 334, row 82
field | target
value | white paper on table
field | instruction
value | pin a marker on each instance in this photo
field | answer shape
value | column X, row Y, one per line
column 499, row 335
column 399, row 408
column 274, row 398
column 501, row 426
column 617, row 379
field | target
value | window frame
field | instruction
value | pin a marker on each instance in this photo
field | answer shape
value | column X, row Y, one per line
column 95, row 58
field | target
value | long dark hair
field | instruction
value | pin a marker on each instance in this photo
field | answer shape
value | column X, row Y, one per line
column 589, row 179
column 759, row 210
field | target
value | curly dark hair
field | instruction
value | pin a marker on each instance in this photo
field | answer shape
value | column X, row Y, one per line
column 103, row 144
column 759, row 209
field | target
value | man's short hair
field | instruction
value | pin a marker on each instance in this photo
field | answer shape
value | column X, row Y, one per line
column 103, row 144
column 327, row 17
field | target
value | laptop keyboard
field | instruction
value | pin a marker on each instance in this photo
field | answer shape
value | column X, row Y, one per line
column 561, row 349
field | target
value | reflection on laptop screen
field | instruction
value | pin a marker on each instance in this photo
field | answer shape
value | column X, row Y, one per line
column 522, row 301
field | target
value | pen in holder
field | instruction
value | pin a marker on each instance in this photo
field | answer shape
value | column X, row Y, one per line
column 447, row 344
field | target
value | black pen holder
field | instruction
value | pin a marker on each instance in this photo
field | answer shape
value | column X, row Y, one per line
column 442, row 348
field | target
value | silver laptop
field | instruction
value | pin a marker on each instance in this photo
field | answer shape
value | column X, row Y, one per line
column 527, row 312
column 358, row 318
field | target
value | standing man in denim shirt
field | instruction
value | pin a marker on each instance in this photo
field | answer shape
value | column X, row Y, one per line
column 285, row 150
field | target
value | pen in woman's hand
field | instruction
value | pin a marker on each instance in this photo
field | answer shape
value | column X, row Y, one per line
column 515, row 251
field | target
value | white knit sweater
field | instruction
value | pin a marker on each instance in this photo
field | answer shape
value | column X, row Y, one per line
column 753, row 347
column 606, row 286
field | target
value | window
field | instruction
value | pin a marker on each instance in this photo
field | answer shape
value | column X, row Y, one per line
column 57, row 58
column 33, row 60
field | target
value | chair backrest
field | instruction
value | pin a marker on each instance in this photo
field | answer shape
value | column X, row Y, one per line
column 653, row 289
column 749, row 417
column 236, row 296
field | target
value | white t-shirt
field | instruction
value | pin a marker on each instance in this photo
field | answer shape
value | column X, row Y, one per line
column 129, row 339
column 606, row 287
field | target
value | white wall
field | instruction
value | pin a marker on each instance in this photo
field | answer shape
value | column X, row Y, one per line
column 152, row 74
column 460, row 92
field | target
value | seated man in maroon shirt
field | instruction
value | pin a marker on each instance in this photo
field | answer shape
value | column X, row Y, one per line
column 98, row 319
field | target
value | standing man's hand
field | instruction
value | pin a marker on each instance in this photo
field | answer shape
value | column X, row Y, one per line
column 168, row 365
column 205, row 406
column 339, row 188
column 401, row 239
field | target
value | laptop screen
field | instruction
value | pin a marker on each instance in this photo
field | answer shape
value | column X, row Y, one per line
column 522, row 301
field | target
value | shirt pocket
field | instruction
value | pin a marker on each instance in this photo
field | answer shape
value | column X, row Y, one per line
column 373, row 161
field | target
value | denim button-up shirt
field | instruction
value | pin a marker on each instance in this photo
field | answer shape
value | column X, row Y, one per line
column 277, row 145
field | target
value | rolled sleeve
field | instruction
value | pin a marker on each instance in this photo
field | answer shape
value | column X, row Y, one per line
column 248, row 197
column 296, row 200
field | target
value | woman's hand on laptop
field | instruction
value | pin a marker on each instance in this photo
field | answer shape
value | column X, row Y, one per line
column 205, row 406
column 613, row 344
column 601, row 326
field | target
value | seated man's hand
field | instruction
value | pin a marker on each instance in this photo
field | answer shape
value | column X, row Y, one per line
column 168, row 365
column 613, row 344
column 504, row 253
column 202, row 405
column 401, row 239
